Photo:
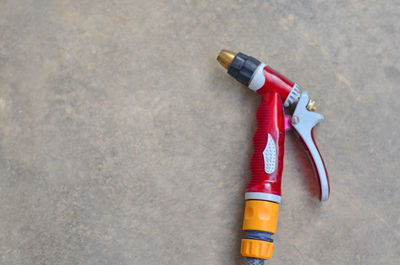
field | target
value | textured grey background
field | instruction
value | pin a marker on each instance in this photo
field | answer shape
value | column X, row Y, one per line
column 122, row 141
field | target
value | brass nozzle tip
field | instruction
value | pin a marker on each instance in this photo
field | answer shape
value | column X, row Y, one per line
column 225, row 58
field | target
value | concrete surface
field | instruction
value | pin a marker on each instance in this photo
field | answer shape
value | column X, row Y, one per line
column 122, row 141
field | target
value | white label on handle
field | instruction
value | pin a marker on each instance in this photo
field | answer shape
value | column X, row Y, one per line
column 269, row 154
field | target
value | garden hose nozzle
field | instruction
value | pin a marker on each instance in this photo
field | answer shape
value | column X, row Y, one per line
column 263, row 193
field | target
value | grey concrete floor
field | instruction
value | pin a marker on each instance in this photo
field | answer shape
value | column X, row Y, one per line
column 122, row 141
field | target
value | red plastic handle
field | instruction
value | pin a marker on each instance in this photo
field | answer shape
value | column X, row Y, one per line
column 267, row 162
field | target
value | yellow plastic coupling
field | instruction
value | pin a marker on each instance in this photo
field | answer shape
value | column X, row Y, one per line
column 257, row 249
column 259, row 216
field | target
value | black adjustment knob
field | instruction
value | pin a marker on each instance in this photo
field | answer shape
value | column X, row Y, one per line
column 242, row 68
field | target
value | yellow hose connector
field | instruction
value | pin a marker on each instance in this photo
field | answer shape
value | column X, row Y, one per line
column 261, row 216
column 257, row 249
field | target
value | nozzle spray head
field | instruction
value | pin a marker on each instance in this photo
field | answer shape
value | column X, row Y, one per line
column 240, row 66
column 225, row 58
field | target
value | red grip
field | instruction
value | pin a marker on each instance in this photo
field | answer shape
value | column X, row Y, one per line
column 276, row 83
column 267, row 162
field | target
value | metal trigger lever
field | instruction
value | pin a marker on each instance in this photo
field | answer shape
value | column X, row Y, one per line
column 303, row 121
